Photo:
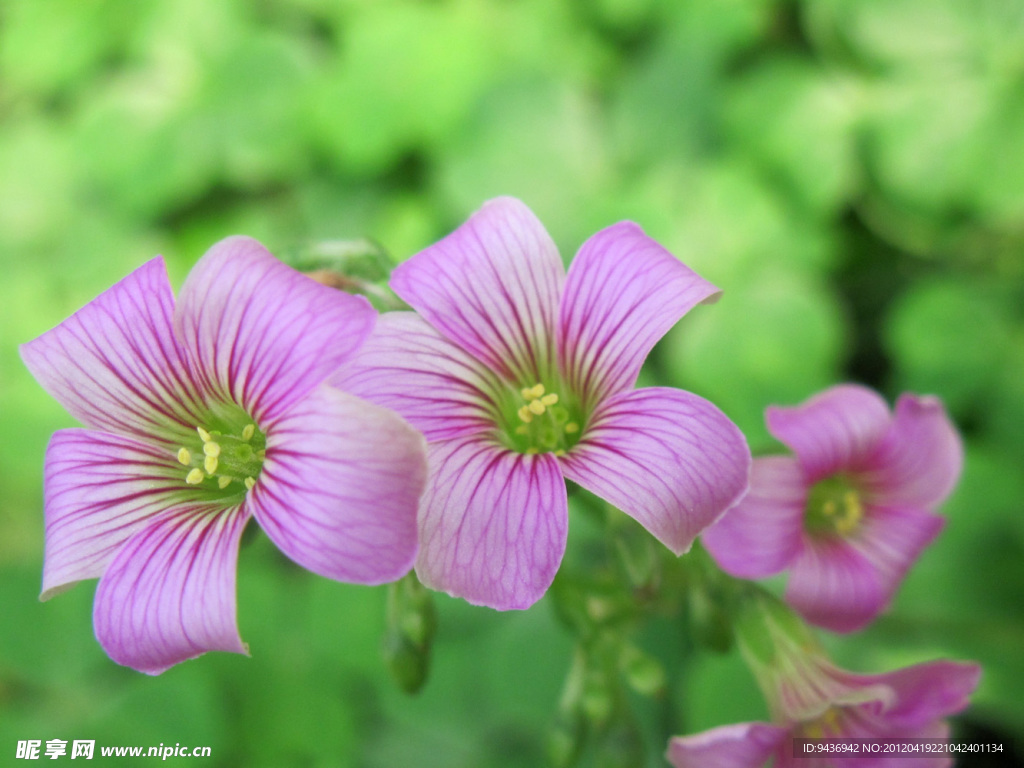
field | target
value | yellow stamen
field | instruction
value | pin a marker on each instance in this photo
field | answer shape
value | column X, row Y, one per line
column 549, row 400
column 522, row 429
column 572, row 428
column 559, row 452
column 830, row 720
column 249, row 483
column 248, row 431
column 853, row 508
column 531, row 451
column 195, row 476
column 223, row 482
column 527, row 393
column 829, row 508
column 203, row 434
column 852, row 513
column 211, row 449
column 814, row 731
column 525, row 415
column 536, row 391
column 210, row 464
column 184, row 456
column 261, row 454
column 536, row 407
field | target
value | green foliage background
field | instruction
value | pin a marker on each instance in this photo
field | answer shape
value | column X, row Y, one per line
column 850, row 172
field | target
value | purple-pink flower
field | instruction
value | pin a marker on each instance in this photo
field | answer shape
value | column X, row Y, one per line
column 201, row 414
column 851, row 511
column 810, row 698
column 818, row 700
column 521, row 375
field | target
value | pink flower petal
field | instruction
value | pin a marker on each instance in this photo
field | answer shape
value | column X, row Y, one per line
column 919, row 460
column 492, row 287
column 927, row 692
column 834, row 586
column 260, row 333
column 115, row 364
column 339, row 488
column 623, row 292
column 668, row 458
column 493, row 524
column 409, row 367
column 169, row 593
column 99, row 489
column 835, row 430
column 762, row 534
column 892, row 538
column 742, row 745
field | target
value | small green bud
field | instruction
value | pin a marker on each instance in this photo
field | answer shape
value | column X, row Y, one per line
column 566, row 740
column 643, row 672
column 409, row 664
column 409, row 632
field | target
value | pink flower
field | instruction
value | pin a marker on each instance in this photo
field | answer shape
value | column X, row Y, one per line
column 809, row 697
column 201, row 415
column 826, row 702
column 850, row 513
column 520, row 375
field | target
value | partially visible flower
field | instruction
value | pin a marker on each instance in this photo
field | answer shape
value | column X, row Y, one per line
column 519, row 374
column 851, row 512
column 809, row 697
column 202, row 414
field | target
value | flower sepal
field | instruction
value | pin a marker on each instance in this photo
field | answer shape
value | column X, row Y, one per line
column 360, row 266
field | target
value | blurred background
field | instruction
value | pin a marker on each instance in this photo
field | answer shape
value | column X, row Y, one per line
column 850, row 172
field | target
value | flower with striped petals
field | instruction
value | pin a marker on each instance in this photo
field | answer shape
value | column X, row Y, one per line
column 811, row 698
column 852, row 510
column 200, row 414
column 520, row 375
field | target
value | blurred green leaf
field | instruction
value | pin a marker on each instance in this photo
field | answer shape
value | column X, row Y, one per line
column 798, row 120
column 775, row 341
column 949, row 337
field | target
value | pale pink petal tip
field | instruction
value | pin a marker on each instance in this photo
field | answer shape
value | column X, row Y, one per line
column 491, row 287
column 668, row 458
column 742, row 745
column 623, row 293
column 837, row 429
column 920, row 459
column 116, row 363
column 930, row 691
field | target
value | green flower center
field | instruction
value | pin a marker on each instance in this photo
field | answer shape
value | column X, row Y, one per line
column 225, row 456
column 833, row 507
column 538, row 420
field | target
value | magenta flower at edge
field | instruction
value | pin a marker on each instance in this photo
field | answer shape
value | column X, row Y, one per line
column 520, row 375
column 852, row 510
column 200, row 415
column 819, row 700
column 810, row 698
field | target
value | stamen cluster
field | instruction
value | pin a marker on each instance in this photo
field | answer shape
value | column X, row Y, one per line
column 544, row 424
column 225, row 458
